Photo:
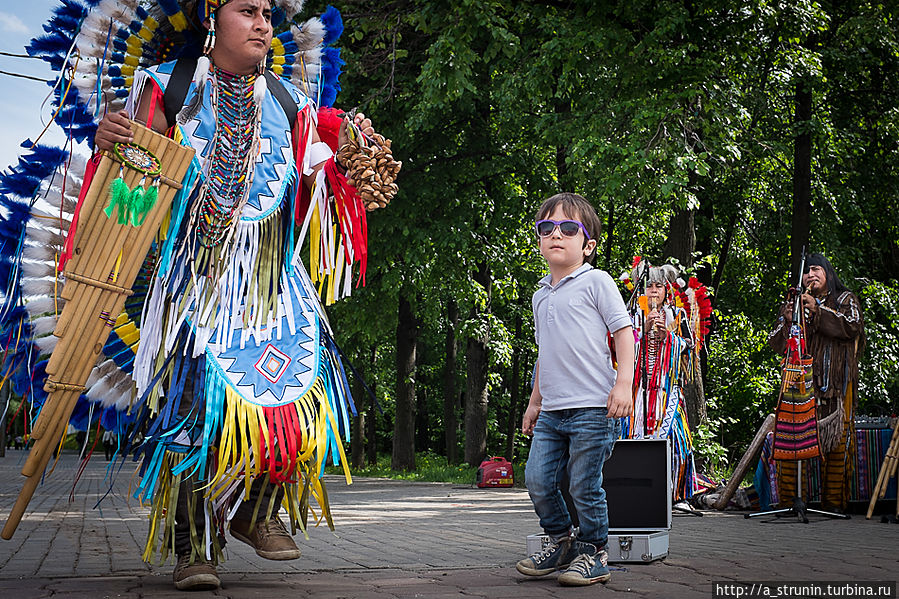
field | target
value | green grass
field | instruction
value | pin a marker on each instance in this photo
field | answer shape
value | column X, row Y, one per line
column 429, row 467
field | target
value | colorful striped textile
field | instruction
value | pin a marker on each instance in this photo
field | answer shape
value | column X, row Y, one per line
column 796, row 426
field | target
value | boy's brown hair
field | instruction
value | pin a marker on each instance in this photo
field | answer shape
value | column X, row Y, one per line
column 576, row 207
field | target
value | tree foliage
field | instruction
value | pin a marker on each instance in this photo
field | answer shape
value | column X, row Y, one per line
column 653, row 111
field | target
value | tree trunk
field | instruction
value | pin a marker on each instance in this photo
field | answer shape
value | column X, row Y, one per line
column 802, row 176
column 450, row 407
column 681, row 242
column 562, row 108
column 476, row 383
column 357, row 442
column 724, row 252
column 515, row 395
column 371, row 422
column 404, row 421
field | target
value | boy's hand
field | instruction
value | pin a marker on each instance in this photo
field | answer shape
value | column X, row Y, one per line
column 530, row 419
column 621, row 401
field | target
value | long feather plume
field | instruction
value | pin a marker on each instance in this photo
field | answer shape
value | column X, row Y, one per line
column 43, row 236
column 40, row 305
column 44, row 325
column 46, row 344
column 37, row 270
column 38, row 253
column 308, row 35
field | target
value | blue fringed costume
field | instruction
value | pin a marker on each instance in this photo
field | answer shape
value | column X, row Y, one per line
column 222, row 363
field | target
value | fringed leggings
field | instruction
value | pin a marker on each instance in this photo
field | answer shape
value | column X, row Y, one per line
column 190, row 512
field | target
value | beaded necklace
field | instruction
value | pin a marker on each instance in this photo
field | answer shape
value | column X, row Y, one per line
column 230, row 168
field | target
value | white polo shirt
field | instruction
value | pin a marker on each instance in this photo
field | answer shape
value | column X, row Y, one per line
column 571, row 323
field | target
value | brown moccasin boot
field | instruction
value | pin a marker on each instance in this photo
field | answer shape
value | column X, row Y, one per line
column 269, row 538
column 197, row 576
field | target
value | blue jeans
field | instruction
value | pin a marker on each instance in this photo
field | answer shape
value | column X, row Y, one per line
column 579, row 440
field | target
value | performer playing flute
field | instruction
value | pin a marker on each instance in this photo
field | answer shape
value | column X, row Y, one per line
column 834, row 329
column 668, row 339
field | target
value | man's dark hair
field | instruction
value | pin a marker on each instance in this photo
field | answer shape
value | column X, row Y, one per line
column 834, row 285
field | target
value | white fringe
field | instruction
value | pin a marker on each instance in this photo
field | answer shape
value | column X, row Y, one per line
column 137, row 90
column 150, row 333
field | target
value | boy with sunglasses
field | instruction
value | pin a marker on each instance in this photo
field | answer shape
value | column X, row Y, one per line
column 578, row 396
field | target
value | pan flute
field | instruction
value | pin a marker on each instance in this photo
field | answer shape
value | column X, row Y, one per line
column 109, row 250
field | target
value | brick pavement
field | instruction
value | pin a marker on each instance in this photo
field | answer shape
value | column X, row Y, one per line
column 398, row 539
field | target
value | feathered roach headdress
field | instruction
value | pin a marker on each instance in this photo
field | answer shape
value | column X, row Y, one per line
column 97, row 45
column 692, row 295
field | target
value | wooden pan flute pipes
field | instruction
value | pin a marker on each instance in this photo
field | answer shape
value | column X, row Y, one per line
column 887, row 471
column 119, row 217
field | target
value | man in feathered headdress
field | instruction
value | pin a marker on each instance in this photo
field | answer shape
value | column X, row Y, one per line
column 226, row 280
column 834, row 330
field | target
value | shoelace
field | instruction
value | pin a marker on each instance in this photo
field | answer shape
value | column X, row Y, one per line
column 275, row 526
column 583, row 564
column 547, row 551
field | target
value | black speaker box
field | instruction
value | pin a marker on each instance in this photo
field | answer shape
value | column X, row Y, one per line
column 637, row 480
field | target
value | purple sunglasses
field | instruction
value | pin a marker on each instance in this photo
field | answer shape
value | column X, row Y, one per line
column 568, row 228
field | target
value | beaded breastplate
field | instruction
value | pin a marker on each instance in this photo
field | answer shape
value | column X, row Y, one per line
column 274, row 169
column 228, row 169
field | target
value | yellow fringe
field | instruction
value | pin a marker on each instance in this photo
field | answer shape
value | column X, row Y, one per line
column 244, row 433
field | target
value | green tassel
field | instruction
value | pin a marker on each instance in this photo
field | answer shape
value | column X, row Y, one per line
column 119, row 195
column 137, row 200
column 149, row 201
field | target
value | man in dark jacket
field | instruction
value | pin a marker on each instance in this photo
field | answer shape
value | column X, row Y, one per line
column 834, row 330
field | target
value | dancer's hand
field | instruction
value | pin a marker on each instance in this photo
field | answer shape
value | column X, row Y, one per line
column 114, row 128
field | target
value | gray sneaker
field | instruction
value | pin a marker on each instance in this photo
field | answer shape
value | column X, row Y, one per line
column 197, row 576
column 555, row 556
column 586, row 569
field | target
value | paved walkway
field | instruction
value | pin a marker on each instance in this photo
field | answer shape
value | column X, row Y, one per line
column 398, row 539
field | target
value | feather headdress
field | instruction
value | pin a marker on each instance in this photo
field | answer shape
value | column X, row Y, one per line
column 96, row 47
